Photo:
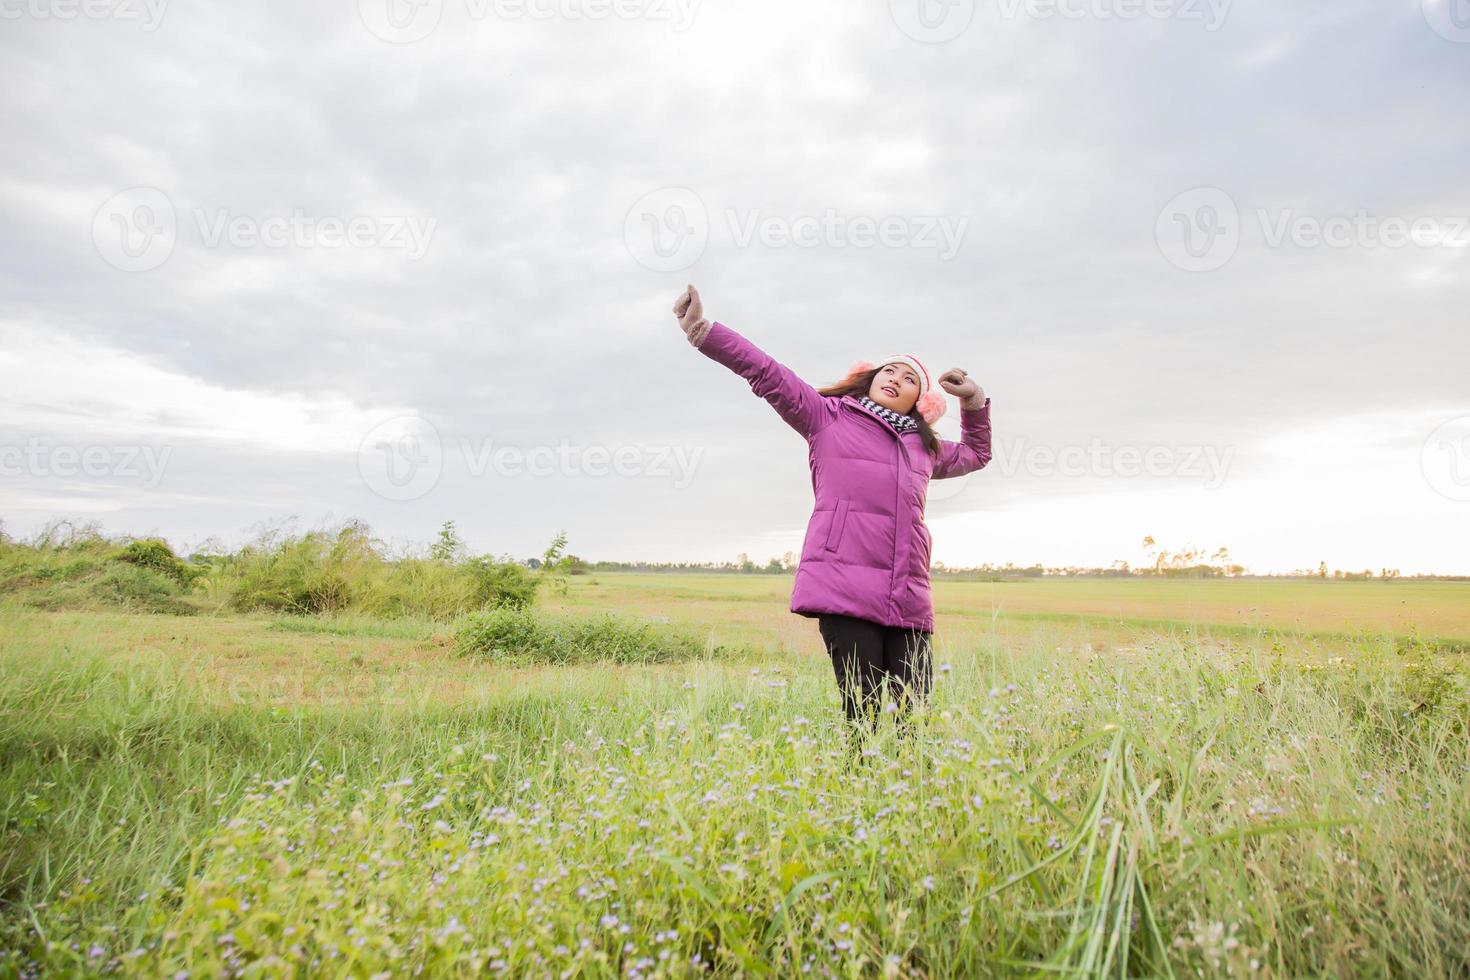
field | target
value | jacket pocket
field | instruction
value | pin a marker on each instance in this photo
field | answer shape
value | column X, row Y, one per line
column 834, row 531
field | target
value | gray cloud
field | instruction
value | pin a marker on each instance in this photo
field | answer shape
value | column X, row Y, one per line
column 1057, row 141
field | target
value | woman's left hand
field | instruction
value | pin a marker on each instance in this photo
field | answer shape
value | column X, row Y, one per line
column 958, row 382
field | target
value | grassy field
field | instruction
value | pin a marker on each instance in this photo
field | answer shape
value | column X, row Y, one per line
column 1129, row 778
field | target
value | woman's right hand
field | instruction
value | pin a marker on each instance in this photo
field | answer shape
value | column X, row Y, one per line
column 690, row 311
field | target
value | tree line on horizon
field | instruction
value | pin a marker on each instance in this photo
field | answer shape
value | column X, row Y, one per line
column 449, row 548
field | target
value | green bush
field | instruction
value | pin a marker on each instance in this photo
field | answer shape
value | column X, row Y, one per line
column 522, row 637
column 141, row 588
column 155, row 553
column 1426, row 687
column 317, row 572
column 501, row 584
column 320, row 572
column 347, row 570
column 80, row 569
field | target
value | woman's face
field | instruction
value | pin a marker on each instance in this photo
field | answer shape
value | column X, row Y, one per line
column 895, row 386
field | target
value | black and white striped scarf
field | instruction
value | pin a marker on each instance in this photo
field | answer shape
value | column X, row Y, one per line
column 899, row 421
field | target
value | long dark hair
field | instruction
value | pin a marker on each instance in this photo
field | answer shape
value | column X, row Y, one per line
column 861, row 383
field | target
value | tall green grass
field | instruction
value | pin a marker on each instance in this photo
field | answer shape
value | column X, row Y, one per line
column 326, row 571
column 1092, row 815
column 84, row 570
column 517, row 636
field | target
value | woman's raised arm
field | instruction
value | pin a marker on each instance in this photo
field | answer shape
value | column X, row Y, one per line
column 799, row 404
column 972, row 452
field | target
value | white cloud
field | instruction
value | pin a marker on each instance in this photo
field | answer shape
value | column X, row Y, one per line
column 53, row 383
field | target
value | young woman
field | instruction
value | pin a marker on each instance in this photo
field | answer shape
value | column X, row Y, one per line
column 864, row 567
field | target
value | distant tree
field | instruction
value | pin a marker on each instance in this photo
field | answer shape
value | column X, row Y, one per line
column 447, row 547
column 1190, row 561
column 555, row 566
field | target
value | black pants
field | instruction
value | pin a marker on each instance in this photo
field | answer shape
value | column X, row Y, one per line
column 866, row 655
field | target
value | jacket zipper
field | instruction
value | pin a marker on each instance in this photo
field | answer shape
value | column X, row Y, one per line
column 897, row 501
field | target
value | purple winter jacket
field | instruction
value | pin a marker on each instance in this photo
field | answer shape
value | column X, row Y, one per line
column 867, row 548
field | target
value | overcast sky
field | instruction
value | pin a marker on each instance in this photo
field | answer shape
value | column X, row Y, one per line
column 274, row 261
